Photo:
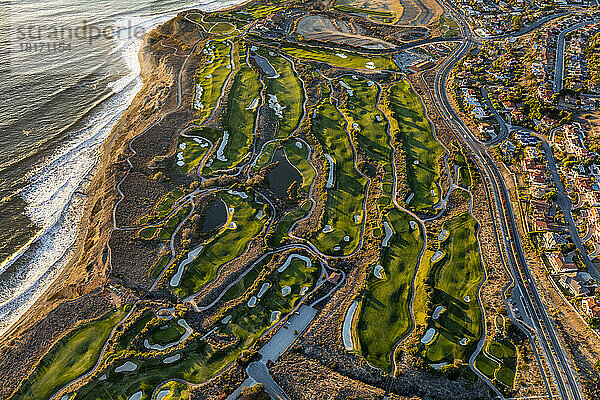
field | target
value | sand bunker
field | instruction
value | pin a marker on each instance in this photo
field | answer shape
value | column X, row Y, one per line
column 429, row 335
column 127, row 367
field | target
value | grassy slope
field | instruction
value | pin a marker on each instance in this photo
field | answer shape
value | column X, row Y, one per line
column 212, row 77
column 453, row 277
column 224, row 247
column 384, row 314
column 239, row 121
column 288, row 89
column 416, row 135
column 344, row 199
column 71, row 357
column 353, row 60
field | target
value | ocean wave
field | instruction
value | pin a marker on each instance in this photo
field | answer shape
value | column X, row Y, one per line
column 51, row 196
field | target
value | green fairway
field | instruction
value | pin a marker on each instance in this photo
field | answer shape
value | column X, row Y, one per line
column 227, row 245
column 486, row 366
column 297, row 154
column 454, row 280
column 345, row 197
column 280, row 232
column 211, row 77
column 169, row 227
column 288, row 90
column 242, row 105
column 412, row 128
column 171, row 334
column 342, row 59
column 71, row 357
column 384, row 315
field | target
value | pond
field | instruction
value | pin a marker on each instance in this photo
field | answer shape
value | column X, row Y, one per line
column 216, row 215
column 283, row 175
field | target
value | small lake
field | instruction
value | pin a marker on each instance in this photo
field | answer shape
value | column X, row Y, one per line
column 215, row 216
column 265, row 66
column 283, row 175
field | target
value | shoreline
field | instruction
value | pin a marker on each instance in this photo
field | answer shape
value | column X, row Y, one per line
column 61, row 284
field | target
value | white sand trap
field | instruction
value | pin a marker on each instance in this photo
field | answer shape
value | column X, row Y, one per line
column 438, row 311
column 443, row 235
column 275, row 316
column 136, row 395
column 182, row 146
column 389, row 232
column 172, row 359
column 286, row 290
column 336, row 248
column 416, row 162
column 379, row 118
column 275, row 106
column 191, row 256
column 467, row 299
column 260, row 214
column 252, row 301
column 197, row 97
column 180, row 163
column 355, row 126
column 412, row 224
column 429, row 335
column 162, row 394
column 230, row 210
column 243, row 195
column 355, row 77
column 346, row 238
column 370, row 83
column 439, row 366
column 348, row 88
column 437, row 256
column 347, row 327
column 464, row 341
column 299, row 145
column 102, row 377
column 378, row 271
column 263, row 289
column 127, row 367
column 304, row 290
column 327, row 229
column 329, row 184
column 220, row 155
column 65, row 397
column 370, row 65
column 357, row 219
column 180, row 156
column 410, row 197
column 226, row 319
column 341, row 55
column 254, row 104
column 289, row 260
column 432, row 192
column 232, row 225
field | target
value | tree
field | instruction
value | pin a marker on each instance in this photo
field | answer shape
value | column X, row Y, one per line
column 256, row 392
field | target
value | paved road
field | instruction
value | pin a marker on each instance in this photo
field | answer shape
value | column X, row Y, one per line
column 558, row 360
column 258, row 372
column 559, row 65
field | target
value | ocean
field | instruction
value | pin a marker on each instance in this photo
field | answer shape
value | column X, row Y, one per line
column 68, row 70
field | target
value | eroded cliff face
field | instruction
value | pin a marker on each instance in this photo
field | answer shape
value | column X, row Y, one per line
column 78, row 294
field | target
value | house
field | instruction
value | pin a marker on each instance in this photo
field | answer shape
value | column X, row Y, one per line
column 486, row 128
column 576, row 283
column 334, row 277
column 591, row 307
column 559, row 265
column 552, row 240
